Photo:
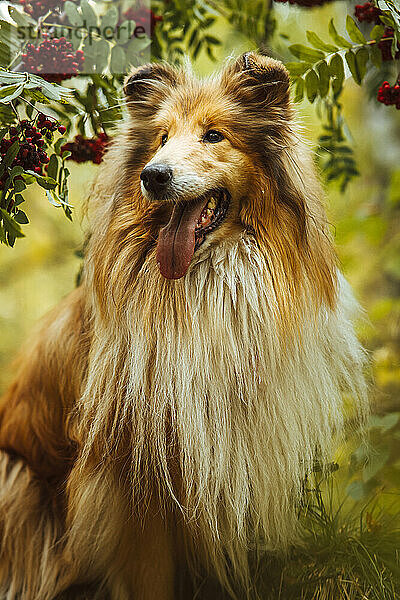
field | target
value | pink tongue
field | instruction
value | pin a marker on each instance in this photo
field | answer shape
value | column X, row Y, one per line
column 176, row 240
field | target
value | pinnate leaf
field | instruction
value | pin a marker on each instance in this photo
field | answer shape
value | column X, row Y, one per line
column 305, row 53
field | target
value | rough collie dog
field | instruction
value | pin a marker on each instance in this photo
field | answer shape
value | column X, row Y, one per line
column 165, row 416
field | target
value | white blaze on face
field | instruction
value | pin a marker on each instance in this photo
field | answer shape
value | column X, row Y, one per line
column 191, row 190
column 184, row 155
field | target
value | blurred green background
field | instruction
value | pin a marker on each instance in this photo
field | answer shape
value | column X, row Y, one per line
column 42, row 268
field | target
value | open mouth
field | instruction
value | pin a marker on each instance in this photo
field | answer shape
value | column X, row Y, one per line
column 211, row 216
column 188, row 227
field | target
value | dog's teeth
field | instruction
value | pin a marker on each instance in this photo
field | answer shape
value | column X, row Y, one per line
column 209, row 211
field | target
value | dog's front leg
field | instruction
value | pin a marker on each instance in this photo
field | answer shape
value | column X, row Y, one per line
column 131, row 551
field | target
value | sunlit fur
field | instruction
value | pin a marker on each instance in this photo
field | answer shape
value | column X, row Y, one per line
column 169, row 425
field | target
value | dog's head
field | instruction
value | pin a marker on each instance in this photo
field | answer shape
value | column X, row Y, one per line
column 205, row 147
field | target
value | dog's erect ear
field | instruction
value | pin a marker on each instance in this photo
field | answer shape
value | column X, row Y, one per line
column 254, row 77
column 149, row 80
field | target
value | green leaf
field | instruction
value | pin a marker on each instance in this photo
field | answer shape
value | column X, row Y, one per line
column 9, row 157
column 60, row 142
column 9, row 92
column 29, row 179
column 110, row 19
column 125, row 32
column 135, row 46
column 15, row 171
column 118, row 60
column 10, row 38
column 375, row 464
column 353, row 31
column 88, row 14
column 319, row 44
column 305, row 53
column 52, row 167
column 74, row 17
column 387, row 19
column 102, row 55
column 59, row 201
column 394, row 45
column 338, row 39
column 51, row 90
column 10, row 225
column 212, row 40
column 20, row 18
column 36, row 95
column 324, row 77
column 296, row 68
column 362, row 56
column 312, row 85
column 30, row 108
column 9, row 77
column 352, row 63
column 197, row 49
column 47, row 183
column 377, row 32
column 384, row 423
column 336, row 69
column 299, row 90
column 21, row 218
column 53, row 198
column 3, row 238
column 19, row 186
column 11, row 238
column 376, row 56
column 5, row 55
column 343, row 149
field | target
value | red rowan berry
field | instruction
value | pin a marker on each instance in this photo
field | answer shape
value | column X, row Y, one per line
column 37, row 8
column 367, row 12
column 385, row 45
column 53, row 61
column 84, row 150
column 143, row 17
column 389, row 95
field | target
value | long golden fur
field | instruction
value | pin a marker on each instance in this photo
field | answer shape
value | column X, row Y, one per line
column 161, row 430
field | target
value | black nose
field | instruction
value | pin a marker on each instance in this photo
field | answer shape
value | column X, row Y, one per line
column 156, row 177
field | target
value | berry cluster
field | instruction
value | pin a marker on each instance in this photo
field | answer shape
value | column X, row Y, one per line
column 143, row 17
column 306, row 3
column 385, row 45
column 87, row 149
column 38, row 8
column 368, row 12
column 389, row 95
column 32, row 139
column 54, row 59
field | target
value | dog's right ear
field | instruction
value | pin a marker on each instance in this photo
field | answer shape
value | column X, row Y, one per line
column 258, row 80
column 149, row 84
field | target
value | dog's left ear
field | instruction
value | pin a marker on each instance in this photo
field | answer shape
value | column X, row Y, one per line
column 148, row 84
column 257, row 78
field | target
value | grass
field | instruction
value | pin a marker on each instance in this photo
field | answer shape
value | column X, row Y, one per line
column 346, row 554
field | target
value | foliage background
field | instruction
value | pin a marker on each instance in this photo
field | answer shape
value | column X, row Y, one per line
column 365, row 219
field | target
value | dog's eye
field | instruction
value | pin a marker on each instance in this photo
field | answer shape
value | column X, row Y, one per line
column 213, row 136
column 164, row 139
